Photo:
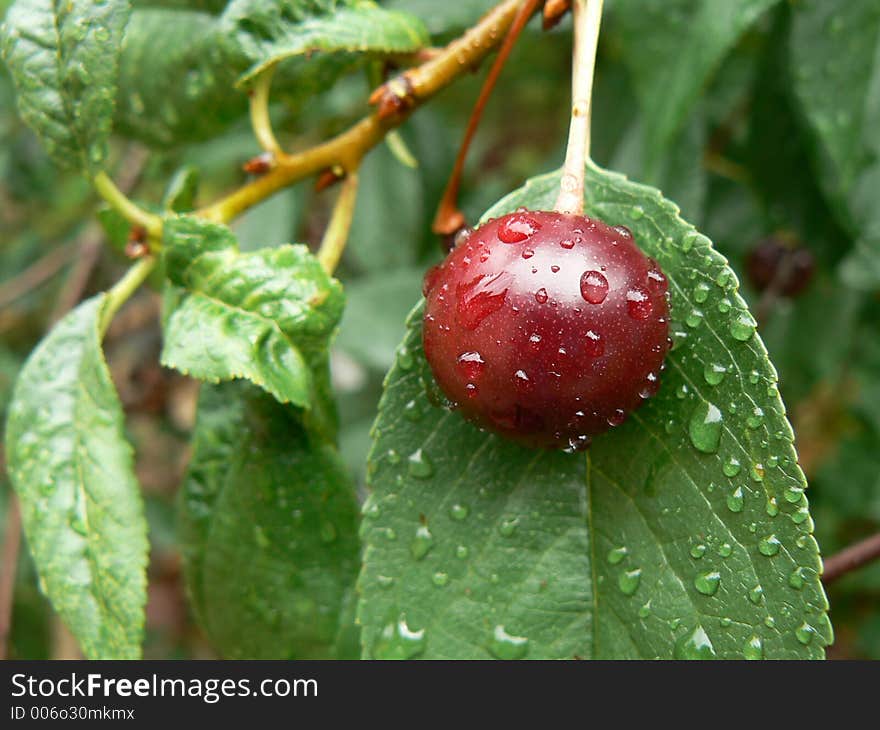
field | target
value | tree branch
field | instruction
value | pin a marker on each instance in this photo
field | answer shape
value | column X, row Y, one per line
column 408, row 91
column 855, row 556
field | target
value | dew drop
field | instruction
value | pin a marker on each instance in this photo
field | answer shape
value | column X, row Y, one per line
column 385, row 581
column 742, row 327
column 704, row 427
column 701, row 292
column 422, row 542
column 623, row 231
column 638, row 303
column 594, row 346
column 725, row 549
column 769, row 546
column 637, row 212
column 471, row 364
column 657, row 282
column 736, row 500
column 617, row 417
column 714, row 373
column 399, row 641
column 508, row 527
column 698, row 551
column 527, row 253
column 756, row 418
column 459, row 512
column 616, row 555
column 707, row 583
column 804, row 633
column 503, row 645
column 420, row 465
column 629, row 580
column 517, row 228
column 440, row 579
column 753, row 649
column 594, row 287
column 693, row 318
column 567, row 243
column 695, row 645
column 731, row 467
column 541, row 296
column 756, row 595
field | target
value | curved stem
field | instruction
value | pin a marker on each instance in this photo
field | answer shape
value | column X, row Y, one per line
column 134, row 214
column 348, row 148
column 587, row 18
column 123, row 289
column 449, row 218
column 336, row 235
column 259, row 110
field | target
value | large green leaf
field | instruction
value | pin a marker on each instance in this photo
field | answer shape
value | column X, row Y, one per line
column 672, row 48
column 80, row 503
column 683, row 533
column 179, row 67
column 376, row 308
column 269, row 529
column 266, row 316
column 835, row 57
column 64, row 59
column 270, row 31
column 177, row 73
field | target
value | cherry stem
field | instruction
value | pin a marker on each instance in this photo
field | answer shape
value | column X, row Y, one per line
column 587, row 18
column 336, row 235
column 449, row 217
column 259, row 110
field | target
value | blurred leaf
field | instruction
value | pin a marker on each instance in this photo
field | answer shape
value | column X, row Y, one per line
column 270, row 31
column 669, row 539
column 64, row 60
column 373, row 322
column 444, row 17
column 672, row 49
column 177, row 73
column 269, row 530
column 778, row 152
column 388, row 216
column 81, row 505
column 180, row 195
column 272, row 222
column 266, row 316
column 835, row 55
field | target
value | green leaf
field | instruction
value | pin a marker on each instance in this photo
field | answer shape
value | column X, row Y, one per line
column 64, row 59
column 176, row 78
column 665, row 540
column 179, row 68
column 266, row 316
column 269, row 530
column 835, row 58
column 376, row 309
column 81, row 506
column 672, row 49
column 180, row 196
column 270, row 31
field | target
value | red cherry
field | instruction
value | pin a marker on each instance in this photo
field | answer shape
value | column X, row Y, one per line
column 547, row 328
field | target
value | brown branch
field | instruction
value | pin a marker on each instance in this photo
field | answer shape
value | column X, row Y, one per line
column 8, row 564
column 855, row 556
column 36, row 274
column 398, row 98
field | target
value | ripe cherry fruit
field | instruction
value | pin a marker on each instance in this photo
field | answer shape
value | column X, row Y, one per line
column 546, row 327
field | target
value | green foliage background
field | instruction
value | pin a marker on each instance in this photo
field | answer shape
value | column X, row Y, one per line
column 756, row 117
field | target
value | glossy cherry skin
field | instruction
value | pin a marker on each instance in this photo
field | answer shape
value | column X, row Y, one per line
column 546, row 328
